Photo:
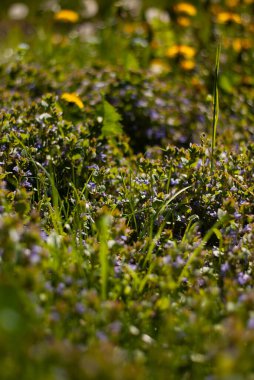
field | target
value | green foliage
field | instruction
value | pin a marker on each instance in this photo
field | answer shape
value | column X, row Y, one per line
column 111, row 126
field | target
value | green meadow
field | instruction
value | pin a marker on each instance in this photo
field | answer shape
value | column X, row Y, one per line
column 126, row 190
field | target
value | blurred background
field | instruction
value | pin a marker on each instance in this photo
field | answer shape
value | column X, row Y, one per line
column 163, row 36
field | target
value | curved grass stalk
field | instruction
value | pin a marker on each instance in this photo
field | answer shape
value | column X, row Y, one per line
column 158, row 234
column 103, row 229
column 215, row 106
column 196, row 252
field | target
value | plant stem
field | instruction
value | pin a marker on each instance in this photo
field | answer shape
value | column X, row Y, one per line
column 215, row 105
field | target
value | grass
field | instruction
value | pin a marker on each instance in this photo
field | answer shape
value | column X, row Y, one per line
column 215, row 105
column 103, row 233
column 126, row 225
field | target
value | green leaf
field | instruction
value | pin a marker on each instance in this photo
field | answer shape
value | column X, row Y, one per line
column 131, row 62
column 111, row 121
column 226, row 84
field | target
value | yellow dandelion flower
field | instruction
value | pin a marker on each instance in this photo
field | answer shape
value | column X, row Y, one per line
column 187, row 51
column 186, row 8
column 187, row 64
column 226, row 17
column 173, row 51
column 67, row 15
column 183, row 21
column 72, row 98
column 240, row 44
column 237, row 45
column 183, row 50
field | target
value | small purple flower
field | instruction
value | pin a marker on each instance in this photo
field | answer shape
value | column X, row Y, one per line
column 117, row 270
column 101, row 336
column 160, row 134
column 201, row 118
column 159, row 102
column 242, row 298
column 55, row 316
column 132, row 267
column 34, row 258
column 224, row 268
column 93, row 166
column 199, row 163
column 102, row 157
column 91, row 185
column 213, row 214
column 43, row 235
column 247, row 228
column 174, row 181
column 182, row 139
column 68, row 280
column 142, row 103
column 27, row 184
column 154, row 115
column 166, row 259
column 251, row 323
column 242, row 278
column 60, row 288
column 201, row 282
column 179, row 262
column 35, row 254
column 79, row 307
column 115, row 327
column 237, row 215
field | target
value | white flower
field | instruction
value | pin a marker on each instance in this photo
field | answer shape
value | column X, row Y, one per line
column 18, row 11
column 152, row 14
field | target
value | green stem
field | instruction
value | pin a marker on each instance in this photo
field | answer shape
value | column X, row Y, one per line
column 215, row 105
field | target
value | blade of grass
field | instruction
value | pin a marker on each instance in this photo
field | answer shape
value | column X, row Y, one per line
column 191, row 226
column 196, row 252
column 172, row 198
column 103, row 225
column 154, row 241
column 215, row 105
column 130, row 197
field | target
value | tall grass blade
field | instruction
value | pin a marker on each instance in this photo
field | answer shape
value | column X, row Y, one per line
column 215, row 105
column 196, row 252
column 156, row 238
column 103, row 226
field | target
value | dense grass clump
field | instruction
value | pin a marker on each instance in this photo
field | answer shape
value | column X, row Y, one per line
column 126, row 192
